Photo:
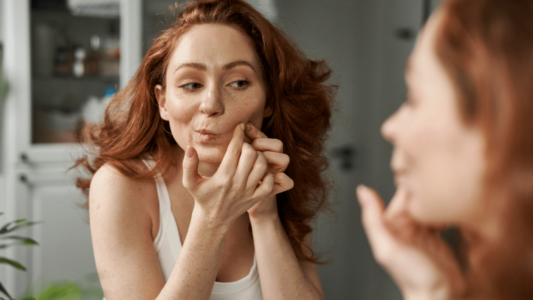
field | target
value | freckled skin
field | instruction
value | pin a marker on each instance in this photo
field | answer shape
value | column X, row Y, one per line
column 215, row 103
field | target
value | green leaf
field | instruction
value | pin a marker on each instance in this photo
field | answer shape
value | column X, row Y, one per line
column 3, row 290
column 65, row 291
column 21, row 240
column 29, row 298
column 1, row 213
column 7, row 229
column 13, row 263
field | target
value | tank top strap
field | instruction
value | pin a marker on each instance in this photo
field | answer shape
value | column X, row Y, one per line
column 165, row 212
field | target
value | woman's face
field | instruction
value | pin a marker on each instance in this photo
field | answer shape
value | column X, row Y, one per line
column 438, row 160
column 214, row 81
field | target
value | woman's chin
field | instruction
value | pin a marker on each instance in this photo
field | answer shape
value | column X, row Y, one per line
column 210, row 155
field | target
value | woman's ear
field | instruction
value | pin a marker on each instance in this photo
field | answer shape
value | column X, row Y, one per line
column 162, row 101
column 268, row 112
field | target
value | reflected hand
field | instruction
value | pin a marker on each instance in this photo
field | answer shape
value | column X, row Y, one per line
column 234, row 188
column 420, row 262
column 277, row 164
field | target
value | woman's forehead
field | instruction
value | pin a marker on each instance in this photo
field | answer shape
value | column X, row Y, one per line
column 213, row 45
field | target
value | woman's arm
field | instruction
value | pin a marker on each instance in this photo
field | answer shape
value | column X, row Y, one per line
column 282, row 275
column 121, row 225
column 126, row 259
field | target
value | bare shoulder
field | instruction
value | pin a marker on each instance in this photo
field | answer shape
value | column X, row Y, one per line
column 115, row 196
column 108, row 181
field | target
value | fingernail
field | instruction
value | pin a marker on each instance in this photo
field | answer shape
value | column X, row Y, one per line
column 242, row 126
column 188, row 151
column 362, row 193
column 248, row 126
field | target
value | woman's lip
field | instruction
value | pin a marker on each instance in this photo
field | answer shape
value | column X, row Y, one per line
column 206, row 136
column 205, row 131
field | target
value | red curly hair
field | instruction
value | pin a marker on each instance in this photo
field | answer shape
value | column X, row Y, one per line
column 296, row 91
column 486, row 46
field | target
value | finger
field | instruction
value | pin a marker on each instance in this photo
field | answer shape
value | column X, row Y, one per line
column 398, row 204
column 246, row 163
column 190, row 168
column 282, row 183
column 254, row 133
column 277, row 162
column 266, row 144
column 258, row 172
column 231, row 158
column 372, row 210
column 265, row 188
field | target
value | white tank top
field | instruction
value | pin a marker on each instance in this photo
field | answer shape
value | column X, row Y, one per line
column 168, row 247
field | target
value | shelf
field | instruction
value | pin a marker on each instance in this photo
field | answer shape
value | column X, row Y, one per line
column 72, row 78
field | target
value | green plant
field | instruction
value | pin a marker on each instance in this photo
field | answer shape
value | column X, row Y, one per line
column 86, row 288
column 8, row 240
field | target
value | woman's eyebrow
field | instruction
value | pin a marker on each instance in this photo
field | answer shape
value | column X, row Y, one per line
column 233, row 64
column 203, row 67
column 194, row 65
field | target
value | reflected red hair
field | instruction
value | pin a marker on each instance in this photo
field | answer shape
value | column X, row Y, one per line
column 486, row 46
column 296, row 90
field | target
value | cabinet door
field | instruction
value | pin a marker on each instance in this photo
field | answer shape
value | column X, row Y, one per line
column 63, row 64
column 65, row 251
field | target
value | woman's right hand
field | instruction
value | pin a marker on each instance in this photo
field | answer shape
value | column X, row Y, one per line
column 240, row 181
column 420, row 262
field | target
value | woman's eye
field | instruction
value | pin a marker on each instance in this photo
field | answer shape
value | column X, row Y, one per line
column 240, row 84
column 191, row 86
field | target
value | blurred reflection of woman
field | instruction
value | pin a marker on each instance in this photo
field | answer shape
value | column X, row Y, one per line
column 227, row 216
column 463, row 155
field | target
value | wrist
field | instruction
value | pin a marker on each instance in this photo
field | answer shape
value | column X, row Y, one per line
column 208, row 223
column 265, row 210
column 263, row 219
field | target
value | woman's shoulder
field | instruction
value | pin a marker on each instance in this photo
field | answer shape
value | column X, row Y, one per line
column 114, row 195
column 110, row 178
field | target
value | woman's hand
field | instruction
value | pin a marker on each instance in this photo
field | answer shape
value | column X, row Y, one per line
column 277, row 161
column 419, row 261
column 240, row 182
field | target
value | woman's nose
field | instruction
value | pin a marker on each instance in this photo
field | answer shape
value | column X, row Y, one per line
column 389, row 128
column 212, row 104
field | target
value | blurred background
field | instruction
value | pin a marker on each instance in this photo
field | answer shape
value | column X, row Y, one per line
column 63, row 60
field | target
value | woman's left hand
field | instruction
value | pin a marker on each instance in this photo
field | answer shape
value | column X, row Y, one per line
column 277, row 164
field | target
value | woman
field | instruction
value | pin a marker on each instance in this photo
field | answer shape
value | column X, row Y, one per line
column 226, row 208
column 463, row 156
